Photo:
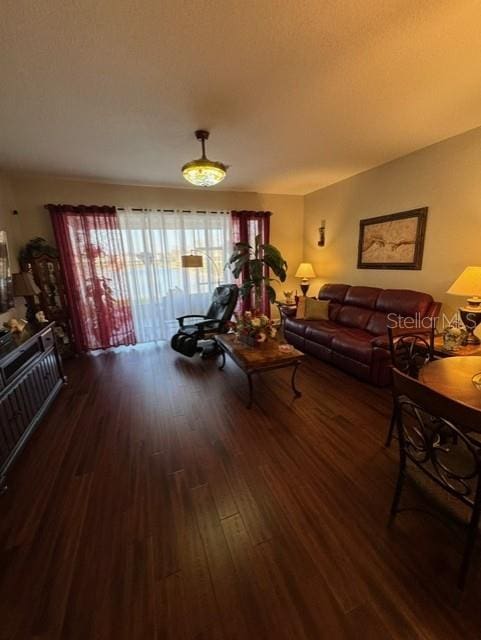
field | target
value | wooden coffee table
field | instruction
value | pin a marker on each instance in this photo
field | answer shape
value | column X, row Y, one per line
column 264, row 357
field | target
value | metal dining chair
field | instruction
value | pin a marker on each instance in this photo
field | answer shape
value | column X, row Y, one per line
column 410, row 351
column 441, row 438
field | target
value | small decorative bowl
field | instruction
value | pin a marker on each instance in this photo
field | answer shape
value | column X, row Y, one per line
column 286, row 348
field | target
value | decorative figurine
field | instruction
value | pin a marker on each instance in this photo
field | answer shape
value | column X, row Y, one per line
column 15, row 326
column 40, row 317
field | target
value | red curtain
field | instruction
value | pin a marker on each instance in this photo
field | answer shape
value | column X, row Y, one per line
column 246, row 225
column 90, row 246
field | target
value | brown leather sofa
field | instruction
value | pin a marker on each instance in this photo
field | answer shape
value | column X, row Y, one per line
column 355, row 336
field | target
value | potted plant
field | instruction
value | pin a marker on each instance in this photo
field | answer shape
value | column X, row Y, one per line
column 254, row 263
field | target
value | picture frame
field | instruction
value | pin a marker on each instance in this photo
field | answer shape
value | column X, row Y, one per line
column 394, row 241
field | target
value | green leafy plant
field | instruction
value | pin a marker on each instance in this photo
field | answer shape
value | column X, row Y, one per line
column 252, row 262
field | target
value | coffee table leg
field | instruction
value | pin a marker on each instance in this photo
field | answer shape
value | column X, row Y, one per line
column 222, row 364
column 251, row 391
column 297, row 393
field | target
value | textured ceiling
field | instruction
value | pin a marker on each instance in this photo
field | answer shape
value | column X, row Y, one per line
column 297, row 94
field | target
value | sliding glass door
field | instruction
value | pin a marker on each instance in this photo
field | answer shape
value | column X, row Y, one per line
column 160, row 289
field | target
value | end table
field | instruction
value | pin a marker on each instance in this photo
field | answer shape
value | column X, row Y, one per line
column 466, row 350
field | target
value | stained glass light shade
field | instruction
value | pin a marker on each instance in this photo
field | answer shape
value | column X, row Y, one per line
column 203, row 172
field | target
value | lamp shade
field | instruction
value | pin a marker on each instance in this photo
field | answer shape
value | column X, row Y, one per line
column 190, row 261
column 305, row 270
column 204, row 172
column 24, row 284
column 468, row 283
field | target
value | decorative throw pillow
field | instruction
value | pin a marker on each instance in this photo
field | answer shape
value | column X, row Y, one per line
column 316, row 309
column 301, row 308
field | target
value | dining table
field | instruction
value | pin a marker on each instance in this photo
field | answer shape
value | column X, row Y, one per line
column 458, row 377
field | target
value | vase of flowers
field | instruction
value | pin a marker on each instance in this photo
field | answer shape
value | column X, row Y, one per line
column 253, row 328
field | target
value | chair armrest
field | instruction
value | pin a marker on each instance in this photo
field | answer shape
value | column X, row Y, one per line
column 209, row 321
column 381, row 341
column 181, row 319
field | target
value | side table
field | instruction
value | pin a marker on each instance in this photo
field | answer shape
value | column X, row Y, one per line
column 468, row 350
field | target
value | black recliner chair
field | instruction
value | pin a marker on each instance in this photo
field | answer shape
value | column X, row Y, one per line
column 186, row 340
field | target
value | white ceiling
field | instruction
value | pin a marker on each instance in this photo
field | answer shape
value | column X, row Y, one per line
column 297, row 94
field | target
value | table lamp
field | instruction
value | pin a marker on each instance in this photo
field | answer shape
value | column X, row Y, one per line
column 306, row 272
column 24, row 285
column 469, row 284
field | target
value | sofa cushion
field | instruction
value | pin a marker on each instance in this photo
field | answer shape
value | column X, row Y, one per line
column 334, row 308
column 377, row 324
column 404, row 302
column 294, row 339
column 301, row 308
column 295, row 326
column 317, row 350
column 321, row 331
column 354, row 343
column 316, row 309
column 351, row 316
column 333, row 292
column 362, row 296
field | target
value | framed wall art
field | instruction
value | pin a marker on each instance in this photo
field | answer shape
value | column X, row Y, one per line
column 395, row 241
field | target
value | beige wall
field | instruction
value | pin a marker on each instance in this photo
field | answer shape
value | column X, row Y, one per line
column 445, row 177
column 8, row 222
column 31, row 193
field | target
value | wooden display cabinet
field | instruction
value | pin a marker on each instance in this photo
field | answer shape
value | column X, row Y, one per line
column 43, row 262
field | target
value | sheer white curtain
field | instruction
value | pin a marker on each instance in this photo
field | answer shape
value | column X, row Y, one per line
column 160, row 289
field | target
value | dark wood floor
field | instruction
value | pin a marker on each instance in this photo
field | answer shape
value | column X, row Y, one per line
column 151, row 504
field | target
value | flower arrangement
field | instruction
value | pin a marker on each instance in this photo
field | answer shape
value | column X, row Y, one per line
column 254, row 328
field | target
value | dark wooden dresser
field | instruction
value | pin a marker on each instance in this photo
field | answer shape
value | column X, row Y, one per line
column 31, row 375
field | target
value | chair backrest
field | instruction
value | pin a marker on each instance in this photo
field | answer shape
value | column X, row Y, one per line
column 410, row 351
column 440, row 435
column 224, row 300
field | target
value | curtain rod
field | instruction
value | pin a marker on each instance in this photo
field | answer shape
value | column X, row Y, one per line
column 203, row 211
column 221, row 212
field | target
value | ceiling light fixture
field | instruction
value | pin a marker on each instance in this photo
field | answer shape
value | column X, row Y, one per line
column 204, row 172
